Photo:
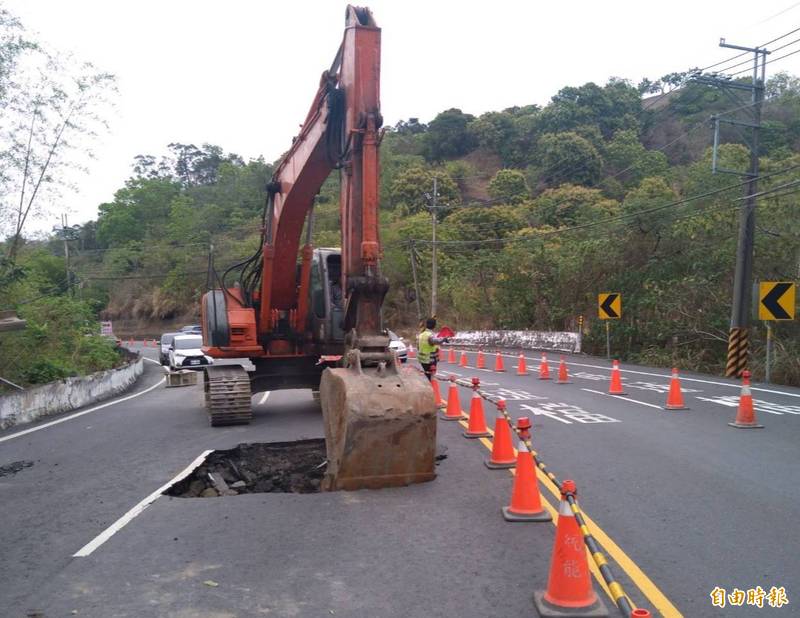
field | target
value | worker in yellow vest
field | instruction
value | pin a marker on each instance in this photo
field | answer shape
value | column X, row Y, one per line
column 428, row 348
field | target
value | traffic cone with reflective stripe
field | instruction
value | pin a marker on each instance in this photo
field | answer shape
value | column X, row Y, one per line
column 481, row 362
column 477, row 421
column 544, row 368
column 502, row 451
column 616, row 381
column 412, row 353
column 675, row 395
column 522, row 367
column 453, row 412
column 498, row 363
column 437, row 393
column 463, row 361
column 563, row 376
column 569, row 587
column 526, row 501
column 451, row 356
column 746, row 414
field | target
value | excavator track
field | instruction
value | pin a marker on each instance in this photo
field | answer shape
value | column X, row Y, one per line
column 228, row 396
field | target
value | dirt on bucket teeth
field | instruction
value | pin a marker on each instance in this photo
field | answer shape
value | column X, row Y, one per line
column 294, row 467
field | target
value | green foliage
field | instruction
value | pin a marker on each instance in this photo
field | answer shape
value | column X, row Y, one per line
column 448, row 136
column 412, row 190
column 571, row 205
column 568, row 158
column 509, row 186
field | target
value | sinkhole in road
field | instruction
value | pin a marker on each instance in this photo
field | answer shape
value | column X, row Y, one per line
column 289, row 467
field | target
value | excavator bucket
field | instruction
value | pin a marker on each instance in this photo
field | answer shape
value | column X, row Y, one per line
column 380, row 427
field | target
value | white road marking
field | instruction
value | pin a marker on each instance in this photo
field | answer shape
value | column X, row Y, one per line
column 644, row 403
column 264, row 398
column 667, row 377
column 118, row 525
column 78, row 414
column 155, row 362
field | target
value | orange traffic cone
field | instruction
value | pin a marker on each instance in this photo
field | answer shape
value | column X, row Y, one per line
column 616, row 380
column 481, row 362
column 437, row 394
column 563, row 376
column 526, row 502
column 641, row 612
column 463, row 361
column 675, row 395
column 498, row 363
column 412, row 353
column 544, row 368
column 569, row 587
column 451, row 356
column 453, row 412
column 477, row 421
column 746, row 415
column 522, row 368
column 502, row 451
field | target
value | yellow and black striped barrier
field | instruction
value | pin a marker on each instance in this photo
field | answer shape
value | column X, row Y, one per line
column 738, row 348
column 621, row 599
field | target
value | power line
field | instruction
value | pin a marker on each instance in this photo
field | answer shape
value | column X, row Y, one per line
column 611, row 219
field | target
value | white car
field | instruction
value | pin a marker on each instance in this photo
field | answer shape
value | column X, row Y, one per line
column 397, row 344
column 185, row 353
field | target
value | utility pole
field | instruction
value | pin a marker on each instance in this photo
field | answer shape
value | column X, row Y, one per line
column 413, row 256
column 738, row 335
column 64, row 234
column 434, row 273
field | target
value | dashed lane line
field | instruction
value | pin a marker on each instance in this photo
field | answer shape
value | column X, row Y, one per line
column 644, row 403
column 123, row 521
column 19, row 434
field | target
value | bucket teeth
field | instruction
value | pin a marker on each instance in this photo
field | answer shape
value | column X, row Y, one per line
column 228, row 396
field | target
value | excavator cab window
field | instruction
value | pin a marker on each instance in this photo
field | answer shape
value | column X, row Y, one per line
column 317, row 289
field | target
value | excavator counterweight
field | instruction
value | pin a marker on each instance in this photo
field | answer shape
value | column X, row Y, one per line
column 311, row 317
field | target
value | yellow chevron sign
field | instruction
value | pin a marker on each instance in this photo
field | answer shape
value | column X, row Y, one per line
column 609, row 305
column 776, row 300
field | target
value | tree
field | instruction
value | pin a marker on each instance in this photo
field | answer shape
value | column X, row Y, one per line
column 448, row 136
column 509, row 186
column 568, row 157
column 53, row 108
column 628, row 159
column 411, row 191
column 569, row 205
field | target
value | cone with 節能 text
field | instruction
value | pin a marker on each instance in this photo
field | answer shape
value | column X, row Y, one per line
column 675, row 395
column 522, row 367
column 480, row 363
column 453, row 411
column 569, row 586
column 477, row 421
column 437, row 393
column 615, row 388
column 526, row 501
column 746, row 414
column 498, row 363
column 544, row 368
column 563, row 375
column 502, row 449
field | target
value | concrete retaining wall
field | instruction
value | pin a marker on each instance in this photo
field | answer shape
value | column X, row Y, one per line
column 68, row 394
column 525, row 339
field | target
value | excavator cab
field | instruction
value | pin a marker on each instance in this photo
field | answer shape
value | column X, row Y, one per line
column 327, row 298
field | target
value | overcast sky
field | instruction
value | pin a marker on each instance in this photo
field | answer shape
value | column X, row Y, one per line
column 241, row 74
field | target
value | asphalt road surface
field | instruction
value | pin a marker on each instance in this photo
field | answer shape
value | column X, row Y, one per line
column 680, row 502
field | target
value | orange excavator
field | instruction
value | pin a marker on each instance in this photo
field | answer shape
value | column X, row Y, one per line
column 311, row 318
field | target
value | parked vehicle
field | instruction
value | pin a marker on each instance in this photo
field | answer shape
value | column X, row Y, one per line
column 397, row 344
column 195, row 329
column 165, row 343
column 185, row 352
